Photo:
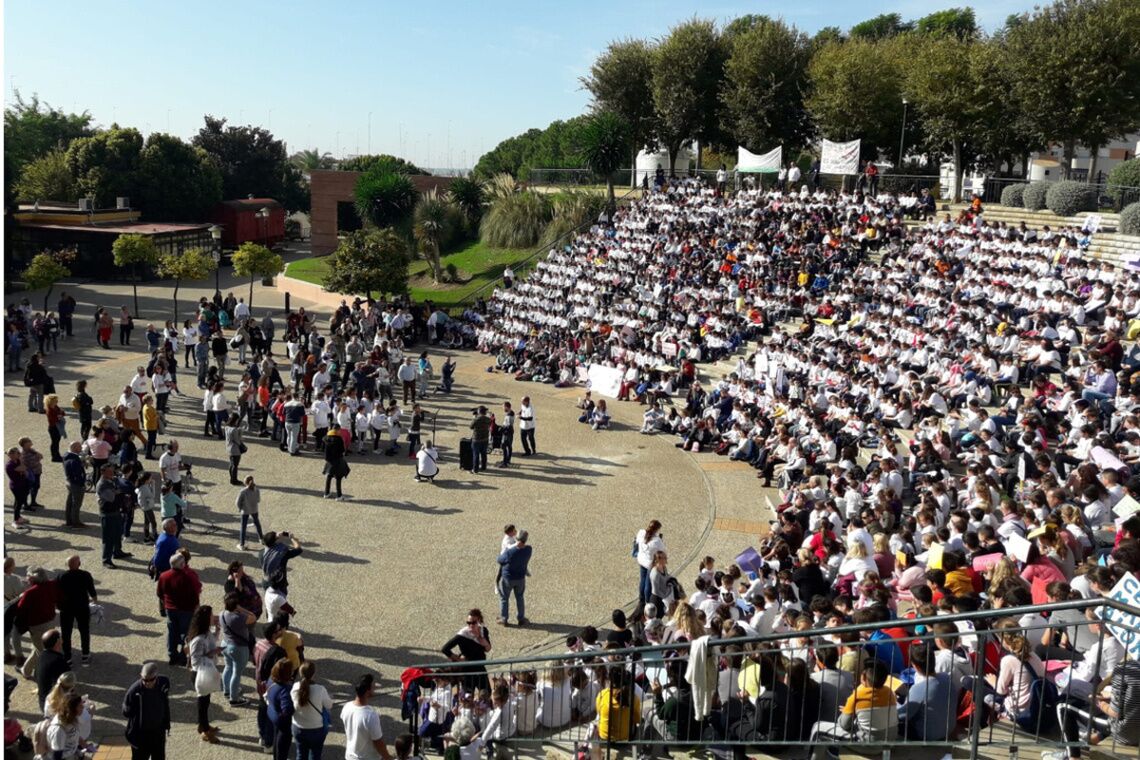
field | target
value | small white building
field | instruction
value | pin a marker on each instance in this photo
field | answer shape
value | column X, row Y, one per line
column 1108, row 157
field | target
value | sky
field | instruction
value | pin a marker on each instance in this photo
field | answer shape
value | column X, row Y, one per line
column 438, row 82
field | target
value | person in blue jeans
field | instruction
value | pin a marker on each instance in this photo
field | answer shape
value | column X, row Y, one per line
column 514, row 562
column 312, row 714
column 237, row 637
column 480, row 439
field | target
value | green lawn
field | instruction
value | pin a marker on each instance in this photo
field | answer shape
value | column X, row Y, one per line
column 477, row 265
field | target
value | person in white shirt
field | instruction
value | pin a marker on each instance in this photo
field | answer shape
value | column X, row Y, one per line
column 170, row 464
column 427, row 463
column 363, row 734
column 311, row 702
column 241, row 311
column 526, row 427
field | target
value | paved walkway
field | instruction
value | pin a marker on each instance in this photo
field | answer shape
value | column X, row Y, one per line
column 387, row 577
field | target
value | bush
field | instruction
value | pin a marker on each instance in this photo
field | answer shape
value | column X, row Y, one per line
column 573, row 209
column 1012, row 195
column 1069, row 197
column 1130, row 219
column 1033, row 196
column 451, row 273
column 1126, row 174
column 516, row 221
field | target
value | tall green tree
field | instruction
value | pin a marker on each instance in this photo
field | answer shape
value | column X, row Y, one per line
column 44, row 271
column 688, row 72
column 252, row 260
column 825, row 35
column 1002, row 134
column 385, row 198
column 469, row 195
column 369, row 261
column 176, row 181
column 134, row 252
column 603, row 145
column 194, row 264
column 432, row 224
column 765, row 86
column 32, row 129
column 621, row 81
column 1077, row 69
column 385, row 161
column 251, row 160
column 857, row 93
column 952, row 22
column 105, row 165
column 311, row 160
column 880, row 27
column 47, row 178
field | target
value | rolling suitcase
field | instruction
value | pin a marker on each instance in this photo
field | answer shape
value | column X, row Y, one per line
column 466, row 454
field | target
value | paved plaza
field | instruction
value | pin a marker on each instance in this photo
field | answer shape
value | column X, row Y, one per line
column 386, row 577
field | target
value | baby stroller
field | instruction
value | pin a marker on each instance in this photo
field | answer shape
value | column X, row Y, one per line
column 14, row 738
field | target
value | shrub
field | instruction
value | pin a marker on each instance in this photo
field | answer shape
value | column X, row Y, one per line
column 1012, row 195
column 573, row 209
column 452, row 273
column 1069, row 197
column 1125, row 174
column 1033, row 196
column 516, row 221
column 1130, row 219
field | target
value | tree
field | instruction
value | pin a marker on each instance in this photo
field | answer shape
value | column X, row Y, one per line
column 47, row 178
column 467, row 193
column 251, row 160
column 880, row 27
column 311, row 160
column 32, row 129
column 856, row 93
column 432, row 223
column 621, row 81
column 133, row 251
column 45, row 270
column 1076, row 67
column 105, row 165
column 296, row 194
column 603, row 144
column 386, row 161
column 825, row 35
column 252, row 260
column 952, row 22
column 176, row 181
column 688, row 70
column 368, row 261
column 387, row 199
column 1001, row 133
column 194, row 264
column 765, row 86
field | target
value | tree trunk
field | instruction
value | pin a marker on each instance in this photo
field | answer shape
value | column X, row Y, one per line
column 251, row 277
column 1024, row 166
column 700, row 155
column 633, row 169
column 673, row 149
column 1093, row 151
column 1070, row 150
column 135, row 287
column 47, row 297
column 176, row 283
column 957, row 193
column 436, row 266
column 610, row 188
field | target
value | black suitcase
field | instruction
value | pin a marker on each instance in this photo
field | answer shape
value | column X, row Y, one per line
column 466, row 454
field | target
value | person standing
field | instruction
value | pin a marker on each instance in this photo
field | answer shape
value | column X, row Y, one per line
column 83, row 404
column 526, row 427
column 406, row 374
column 507, row 429
column 110, row 516
column 150, row 421
column 237, row 639
column 275, row 566
column 66, row 309
column 424, row 374
column 414, row 430
column 179, row 589
column 248, row 503
column 57, row 424
column 312, row 710
column 126, row 324
column 36, row 613
column 146, row 706
column 34, row 468
column 514, row 562
column 37, row 380
column 18, row 484
column 363, row 735
column 294, row 412
column 104, row 324
column 76, row 593
column 202, row 640
column 170, row 463
column 235, row 447
column 51, row 664
column 480, row 439
column 647, row 543
column 279, row 708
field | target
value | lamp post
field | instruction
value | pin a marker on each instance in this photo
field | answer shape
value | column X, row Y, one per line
column 216, row 234
column 902, row 136
column 264, row 216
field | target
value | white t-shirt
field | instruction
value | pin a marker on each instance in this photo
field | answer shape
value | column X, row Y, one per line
column 361, row 728
column 309, row 716
column 171, row 464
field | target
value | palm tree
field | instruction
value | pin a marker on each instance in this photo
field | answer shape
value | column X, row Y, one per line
column 309, row 161
column 467, row 193
column 603, row 144
column 431, row 226
column 386, row 199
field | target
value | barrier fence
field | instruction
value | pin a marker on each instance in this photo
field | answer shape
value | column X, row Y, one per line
column 914, row 680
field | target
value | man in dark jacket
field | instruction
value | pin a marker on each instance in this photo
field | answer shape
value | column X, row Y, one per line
column 514, row 562
column 146, row 706
column 672, row 718
column 480, row 439
column 76, row 592
column 110, row 516
column 50, row 665
column 76, row 475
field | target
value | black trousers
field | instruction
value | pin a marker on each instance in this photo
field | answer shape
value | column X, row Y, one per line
column 282, row 742
column 79, row 617
column 508, row 447
column 149, row 747
column 234, row 462
column 527, row 437
column 203, row 713
column 328, row 483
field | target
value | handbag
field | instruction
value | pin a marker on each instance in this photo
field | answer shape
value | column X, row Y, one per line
column 633, row 552
column 242, row 448
column 326, row 718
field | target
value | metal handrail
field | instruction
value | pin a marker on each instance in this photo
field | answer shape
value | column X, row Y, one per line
column 1073, row 604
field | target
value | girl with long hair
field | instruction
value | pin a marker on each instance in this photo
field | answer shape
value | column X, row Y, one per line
column 204, row 650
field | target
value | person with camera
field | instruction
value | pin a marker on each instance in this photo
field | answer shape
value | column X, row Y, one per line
column 111, row 501
column 275, row 565
column 235, row 446
column 172, row 467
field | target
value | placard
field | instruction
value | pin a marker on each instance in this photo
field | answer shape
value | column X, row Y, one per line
column 1018, row 547
column 839, row 158
column 986, row 562
column 604, row 380
column 934, row 556
column 1126, row 507
column 1126, row 591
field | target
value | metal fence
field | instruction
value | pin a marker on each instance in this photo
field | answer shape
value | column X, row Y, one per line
column 793, row 689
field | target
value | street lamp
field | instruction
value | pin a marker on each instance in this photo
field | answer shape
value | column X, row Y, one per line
column 902, row 136
column 264, row 216
column 216, row 234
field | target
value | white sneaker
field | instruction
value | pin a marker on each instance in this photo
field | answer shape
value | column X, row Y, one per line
column 343, row 498
column 241, row 547
column 329, row 496
column 1057, row 754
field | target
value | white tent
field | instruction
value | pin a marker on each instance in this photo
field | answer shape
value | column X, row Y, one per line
column 647, row 163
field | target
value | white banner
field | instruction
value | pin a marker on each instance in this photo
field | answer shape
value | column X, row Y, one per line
column 604, row 380
column 769, row 163
column 839, row 158
column 1128, row 592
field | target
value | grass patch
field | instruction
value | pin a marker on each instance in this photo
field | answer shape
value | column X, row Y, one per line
column 477, row 265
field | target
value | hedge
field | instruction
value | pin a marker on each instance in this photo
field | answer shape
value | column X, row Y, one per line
column 1130, row 219
column 1012, row 195
column 1033, row 197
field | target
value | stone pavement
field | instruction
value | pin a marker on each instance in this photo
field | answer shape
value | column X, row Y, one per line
column 387, row 577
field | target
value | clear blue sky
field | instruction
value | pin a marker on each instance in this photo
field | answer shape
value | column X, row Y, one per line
column 431, row 73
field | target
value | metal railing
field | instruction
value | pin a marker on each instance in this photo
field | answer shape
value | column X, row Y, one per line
column 791, row 689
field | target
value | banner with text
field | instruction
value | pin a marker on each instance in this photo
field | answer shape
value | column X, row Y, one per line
column 750, row 163
column 604, row 380
column 1121, row 624
column 839, row 158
